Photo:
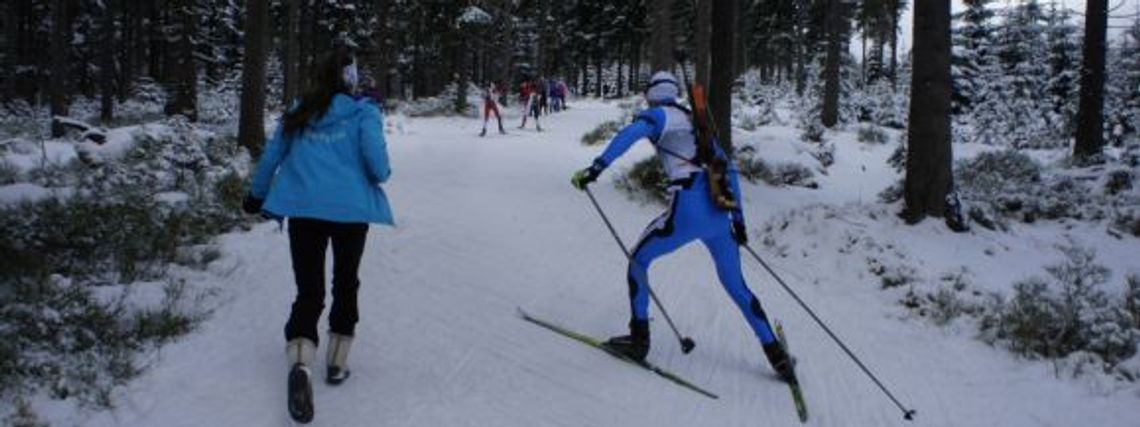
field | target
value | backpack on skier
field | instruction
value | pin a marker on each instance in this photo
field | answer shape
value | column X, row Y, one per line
column 710, row 156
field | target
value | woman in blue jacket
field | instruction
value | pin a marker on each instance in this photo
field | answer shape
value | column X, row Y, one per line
column 322, row 169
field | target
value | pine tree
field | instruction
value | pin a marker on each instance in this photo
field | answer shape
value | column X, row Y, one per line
column 251, row 129
column 1122, row 92
column 973, row 60
column 1061, row 87
column 1090, row 117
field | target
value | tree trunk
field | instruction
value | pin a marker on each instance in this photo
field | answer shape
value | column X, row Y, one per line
column 291, row 63
column 895, row 11
column 598, row 65
column 830, row 115
column 620, row 89
column 739, row 52
column 928, row 164
column 661, row 51
column 251, row 127
column 704, row 37
column 182, row 72
column 864, row 53
column 107, row 63
column 12, row 53
column 799, row 48
column 721, row 72
column 1090, row 117
column 60, row 47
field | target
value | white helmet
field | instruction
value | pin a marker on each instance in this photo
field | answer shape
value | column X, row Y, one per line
column 663, row 87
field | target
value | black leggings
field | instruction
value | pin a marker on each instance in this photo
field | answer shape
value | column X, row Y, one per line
column 308, row 240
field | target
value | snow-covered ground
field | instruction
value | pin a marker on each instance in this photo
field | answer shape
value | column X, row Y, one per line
column 489, row 224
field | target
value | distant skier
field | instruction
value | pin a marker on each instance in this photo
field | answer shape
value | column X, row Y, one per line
column 563, row 91
column 322, row 170
column 490, row 105
column 531, row 107
column 692, row 215
column 545, row 96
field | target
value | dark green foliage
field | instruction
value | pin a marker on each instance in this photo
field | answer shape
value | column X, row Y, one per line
column 1118, row 181
column 1066, row 313
column 1132, row 298
column 59, row 337
column 754, row 169
column 9, row 174
column 871, row 134
column 132, row 239
column 602, row 133
column 645, row 182
column 997, row 172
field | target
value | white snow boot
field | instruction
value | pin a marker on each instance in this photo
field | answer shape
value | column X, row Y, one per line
column 337, row 359
column 300, row 353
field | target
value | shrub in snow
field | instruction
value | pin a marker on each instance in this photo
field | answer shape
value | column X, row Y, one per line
column 1118, row 181
column 60, row 338
column 897, row 160
column 129, row 218
column 19, row 118
column 1128, row 221
column 1132, row 298
column 813, row 131
column 748, row 121
column 130, row 238
column 997, row 172
column 645, row 182
column 9, row 173
column 24, row 416
column 871, row 134
column 891, row 275
column 1131, row 156
column 1066, row 313
column 754, row 169
column 892, row 193
column 825, row 153
column 602, row 133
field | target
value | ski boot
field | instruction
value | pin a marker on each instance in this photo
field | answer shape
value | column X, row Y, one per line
column 782, row 363
column 483, row 133
column 635, row 345
column 337, row 358
column 300, row 352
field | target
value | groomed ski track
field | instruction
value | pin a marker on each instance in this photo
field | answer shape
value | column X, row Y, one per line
column 488, row 224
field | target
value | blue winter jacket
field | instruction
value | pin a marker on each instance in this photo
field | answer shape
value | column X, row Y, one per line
column 331, row 170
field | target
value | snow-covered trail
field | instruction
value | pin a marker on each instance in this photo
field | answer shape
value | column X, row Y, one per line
column 488, row 224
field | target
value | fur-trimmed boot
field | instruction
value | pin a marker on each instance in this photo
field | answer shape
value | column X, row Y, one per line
column 338, row 358
column 300, row 353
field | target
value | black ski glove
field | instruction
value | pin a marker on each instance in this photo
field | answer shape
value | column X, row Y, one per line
column 585, row 176
column 739, row 232
column 251, row 205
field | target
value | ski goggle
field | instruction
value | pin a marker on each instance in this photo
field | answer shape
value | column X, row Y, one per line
column 659, row 82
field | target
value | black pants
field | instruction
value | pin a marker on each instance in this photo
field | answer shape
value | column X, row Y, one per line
column 308, row 241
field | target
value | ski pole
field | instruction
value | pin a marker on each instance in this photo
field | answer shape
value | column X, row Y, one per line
column 687, row 343
column 908, row 414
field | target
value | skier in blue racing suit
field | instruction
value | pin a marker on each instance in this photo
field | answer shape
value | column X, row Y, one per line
column 691, row 216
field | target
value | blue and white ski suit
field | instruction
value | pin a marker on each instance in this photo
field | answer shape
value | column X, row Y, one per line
column 691, row 214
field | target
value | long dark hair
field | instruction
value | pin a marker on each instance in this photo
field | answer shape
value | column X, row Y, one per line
column 327, row 82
